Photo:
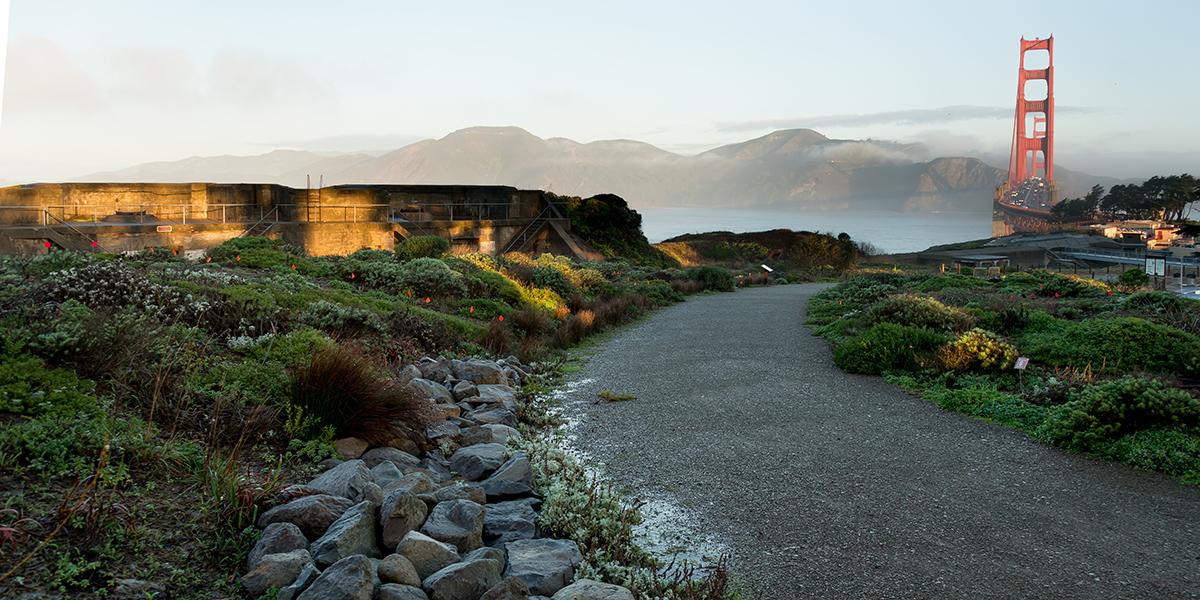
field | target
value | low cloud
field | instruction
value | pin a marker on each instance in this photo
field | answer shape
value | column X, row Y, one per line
column 920, row 116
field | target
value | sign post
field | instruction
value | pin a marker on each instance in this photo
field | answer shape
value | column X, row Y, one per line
column 1020, row 365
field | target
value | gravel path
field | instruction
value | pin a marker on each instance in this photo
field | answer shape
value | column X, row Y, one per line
column 830, row 485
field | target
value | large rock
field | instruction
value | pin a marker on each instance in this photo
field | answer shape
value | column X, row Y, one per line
column 464, row 389
column 408, row 373
column 396, row 591
column 501, row 433
column 498, row 394
column 587, row 589
column 511, row 588
column 478, row 461
column 457, row 490
column 400, row 513
column 376, row 456
column 437, row 370
column 306, row 578
column 394, row 568
column 351, row 479
column 509, row 521
column 432, row 391
column 353, row 533
column 426, row 554
column 350, row 447
column 478, row 371
column 275, row 571
column 385, row 474
column 463, row 580
column 545, row 565
column 312, row 514
column 442, row 429
column 485, row 416
column 276, row 538
column 352, row 578
column 513, row 479
column 458, row 522
column 415, row 482
column 495, row 554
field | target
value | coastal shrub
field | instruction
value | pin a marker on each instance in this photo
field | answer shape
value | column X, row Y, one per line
column 340, row 320
column 498, row 339
column 1108, row 410
column 422, row 246
column 988, row 403
column 1113, row 345
column 590, row 281
column 292, row 349
column 431, row 277
column 340, row 389
column 713, row 278
column 919, row 311
column 1133, row 279
column 481, row 308
column 531, row 321
column 554, row 279
column 256, row 252
column 1171, row 451
column 659, row 293
column 977, row 350
column 243, row 382
column 937, row 283
column 28, row 387
column 543, row 299
column 116, row 285
column 431, row 335
column 885, row 347
column 493, row 285
column 1069, row 286
column 1157, row 302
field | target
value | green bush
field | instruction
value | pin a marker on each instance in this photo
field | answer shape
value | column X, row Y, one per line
column 28, row 387
column 886, row 347
column 1171, row 451
column 937, row 283
column 492, row 284
column 977, row 350
column 659, row 293
column 714, row 279
column 990, row 404
column 422, row 246
column 484, row 308
column 552, row 278
column 1133, row 279
column 338, row 319
column 1106, row 411
column 919, row 311
column 292, row 349
column 431, row 277
column 1112, row 345
column 256, row 252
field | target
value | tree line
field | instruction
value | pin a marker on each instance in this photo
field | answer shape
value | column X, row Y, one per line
column 1163, row 198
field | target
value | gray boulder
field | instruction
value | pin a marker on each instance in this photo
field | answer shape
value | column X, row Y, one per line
column 400, row 513
column 408, row 373
column 352, row 578
column 502, row 416
column 478, row 461
column 478, row 371
column 474, row 434
column 431, row 390
column 275, row 570
column 306, row 577
column 275, row 539
column 545, row 565
column 463, row 580
column 458, row 490
column 441, row 430
column 464, row 389
column 436, row 469
column 386, row 474
column 587, row 589
column 509, row 521
column 501, row 433
column 415, row 482
column 426, row 554
column 312, row 514
column 458, row 522
column 376, row 456
column 498, row 394
column 513, row 479
column 394, row 568
column 396, row 591
column 437, row 370
column 495, row 554
column 350, row 479
column 131, row 589
column 353, row 533
column 510, row 588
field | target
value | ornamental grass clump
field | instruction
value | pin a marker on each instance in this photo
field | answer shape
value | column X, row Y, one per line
column 340, row 389
column 977, row 350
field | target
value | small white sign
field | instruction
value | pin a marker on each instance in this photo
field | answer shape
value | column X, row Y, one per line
column 163, row 228
column 1022, row 362
column 769, row 269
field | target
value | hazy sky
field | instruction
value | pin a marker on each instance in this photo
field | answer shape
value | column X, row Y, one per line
column 100, row 85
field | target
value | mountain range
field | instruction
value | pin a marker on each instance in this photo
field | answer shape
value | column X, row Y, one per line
column 794, row 168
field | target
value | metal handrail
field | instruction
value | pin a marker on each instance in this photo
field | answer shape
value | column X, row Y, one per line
column 94, row 242
column 273, row 212
column 536, row 225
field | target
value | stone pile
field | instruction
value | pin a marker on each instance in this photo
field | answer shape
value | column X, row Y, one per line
column 393, row 523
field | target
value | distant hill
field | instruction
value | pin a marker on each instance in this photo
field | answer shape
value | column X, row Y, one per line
column 795, row 168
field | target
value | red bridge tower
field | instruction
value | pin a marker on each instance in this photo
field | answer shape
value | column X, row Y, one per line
column 1032, row 154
